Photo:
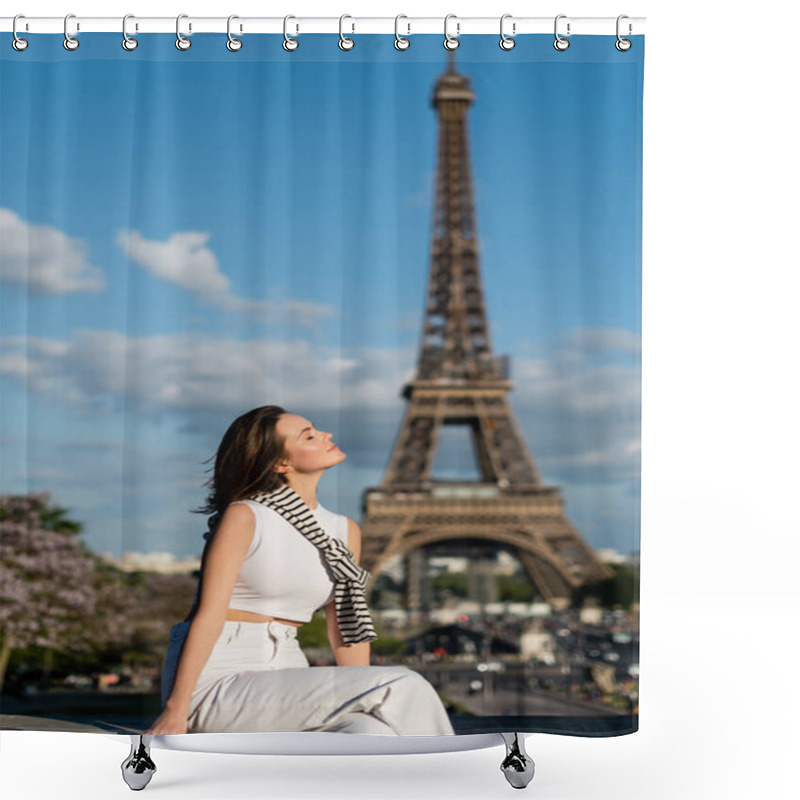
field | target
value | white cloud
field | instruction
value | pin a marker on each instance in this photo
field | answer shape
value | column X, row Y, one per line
column 578, row 419
column 185, row 261
column 44, row 259
column 578, row 389
column 562, row 376
column 597, row 340
column 617, row 451
column 197, row 372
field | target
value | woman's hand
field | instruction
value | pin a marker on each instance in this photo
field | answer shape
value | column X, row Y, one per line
column 169, row 721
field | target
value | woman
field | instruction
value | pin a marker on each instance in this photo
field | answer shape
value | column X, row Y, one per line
column 234, row 664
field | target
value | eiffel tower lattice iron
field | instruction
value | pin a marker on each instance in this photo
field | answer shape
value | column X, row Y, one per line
column 460, row 381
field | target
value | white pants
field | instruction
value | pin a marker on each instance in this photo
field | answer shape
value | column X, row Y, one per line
column 258, row 679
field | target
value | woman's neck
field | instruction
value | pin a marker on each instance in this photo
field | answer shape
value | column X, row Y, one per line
column 307, row 489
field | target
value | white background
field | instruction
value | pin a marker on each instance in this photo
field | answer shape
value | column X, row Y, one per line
column 719, row 686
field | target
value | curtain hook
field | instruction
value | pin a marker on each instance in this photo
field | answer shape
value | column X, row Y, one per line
column 623, row 44
column 233, row 44
column 128, row 42
column 400, row 42
column 561, row 43
column 70, row 42
column 506, row 42
column 344, row 42
column 18, row 43
column 182, row 43
column 451, row 42
column 290, row 44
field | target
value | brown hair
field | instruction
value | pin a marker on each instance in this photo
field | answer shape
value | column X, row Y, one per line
column 245, row 460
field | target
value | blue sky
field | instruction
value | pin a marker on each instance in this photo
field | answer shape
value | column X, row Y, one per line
column 188, row 235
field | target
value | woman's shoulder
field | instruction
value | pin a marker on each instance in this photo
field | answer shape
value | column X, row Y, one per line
column 254, row 504
column 245, row 521
column 251, row 503
column 261, row 511
column 266, row 515
column 342, row 525
column 258, row 510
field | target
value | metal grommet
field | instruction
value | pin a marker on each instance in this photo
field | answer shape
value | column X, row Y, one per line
column 233, row 44
column 506, row 42
column 400, row 42
column 128, row 42
column 70, row 42
column 344, row 42
column 182, row 43
column 290, row 44
column 451, row 42
column 561, row 43
column 623, row 44
column 18, row 43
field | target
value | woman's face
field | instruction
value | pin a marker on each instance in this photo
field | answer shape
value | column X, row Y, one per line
column 309, row 449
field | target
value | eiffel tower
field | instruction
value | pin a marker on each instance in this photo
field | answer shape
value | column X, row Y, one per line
column 460, row 382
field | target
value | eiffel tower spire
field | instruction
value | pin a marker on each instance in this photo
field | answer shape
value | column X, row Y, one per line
column 460, row 382
column 451, row 62
column 457, row 370
column 455, row 342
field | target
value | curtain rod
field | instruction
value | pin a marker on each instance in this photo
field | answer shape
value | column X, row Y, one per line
column 512, row 26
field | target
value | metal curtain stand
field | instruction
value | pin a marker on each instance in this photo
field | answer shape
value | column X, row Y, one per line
column 138, row 768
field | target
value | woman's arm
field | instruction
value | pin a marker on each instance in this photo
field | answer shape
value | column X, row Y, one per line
column 222, row 562
column 347, row 655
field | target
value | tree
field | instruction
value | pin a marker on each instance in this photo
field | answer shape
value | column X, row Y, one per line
column 453, row 582
column 620, row 590
column 515, row 589
column 47, row 591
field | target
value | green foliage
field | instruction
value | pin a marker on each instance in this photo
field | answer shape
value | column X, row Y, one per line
column 388, row 646
column 621, row 590
column 453, row 582
column 314, row 634
column 513, row 589
column 52, row 519
column 61, row 602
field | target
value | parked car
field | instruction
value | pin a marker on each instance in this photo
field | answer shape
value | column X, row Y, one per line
column 491, row 666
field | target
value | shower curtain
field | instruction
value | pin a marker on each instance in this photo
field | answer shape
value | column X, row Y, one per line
column 434, row 255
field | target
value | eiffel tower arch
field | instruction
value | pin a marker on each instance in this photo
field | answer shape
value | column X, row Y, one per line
column 460, row 382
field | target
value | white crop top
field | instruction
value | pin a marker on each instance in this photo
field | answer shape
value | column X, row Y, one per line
column 283, row 575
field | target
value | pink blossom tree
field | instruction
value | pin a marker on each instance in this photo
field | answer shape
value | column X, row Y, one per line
column 47, row 586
